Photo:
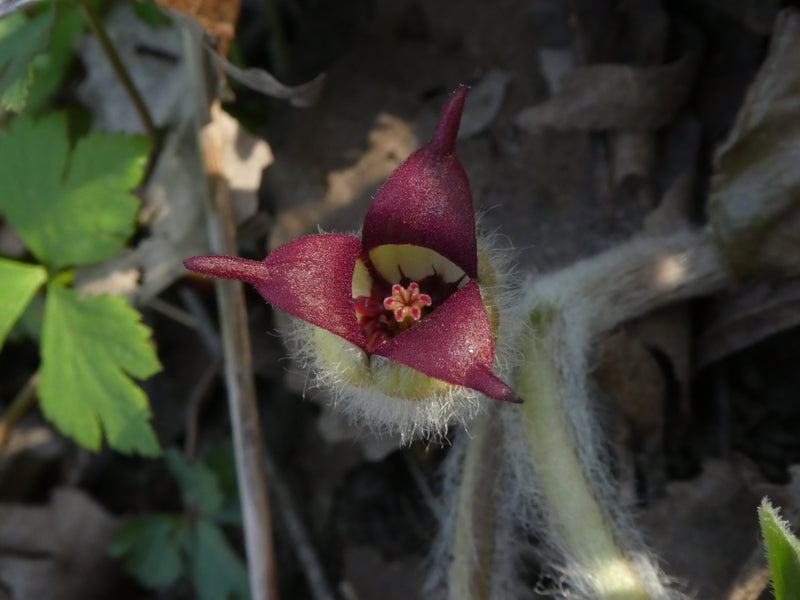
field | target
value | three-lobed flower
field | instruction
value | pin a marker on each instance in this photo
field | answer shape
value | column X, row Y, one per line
column 410, row 303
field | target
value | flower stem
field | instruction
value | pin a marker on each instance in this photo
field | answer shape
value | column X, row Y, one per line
column 632, row 279
column 533, row 482
column 572, row 503
column 96, row 25
column 474, row 535
column 600, row 552
column 99, row 30
column 21, row 403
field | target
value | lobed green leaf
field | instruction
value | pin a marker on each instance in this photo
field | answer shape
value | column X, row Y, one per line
column 49, row 68
column 199, row 485
column 88, row 346
column 217, row 571
column 69, row 208
column 21, row 39
column 19, row 283
column 150, row 549
column 221, row 460
column 783, row 552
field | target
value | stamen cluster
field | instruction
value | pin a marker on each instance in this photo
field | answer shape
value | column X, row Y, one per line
column 388, row 311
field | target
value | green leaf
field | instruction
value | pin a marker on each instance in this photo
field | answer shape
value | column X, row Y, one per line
column 199, row 485
column 783, row 552
column 19, row 283
column 217, row 571
column 150, row 14
column 30, row 323
column 24, row 39
column 50, row 67
column 222, row 461
column 88, row 346
column 150, row 549
column 69, row 208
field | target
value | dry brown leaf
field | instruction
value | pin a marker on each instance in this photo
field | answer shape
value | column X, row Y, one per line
column 173, row 210
column 612, row 96
column 704, row 530
column 753, row 313
column 629, row 373
column 754, row 203
column 217, row 17
column 303, row 95
column 483, row 103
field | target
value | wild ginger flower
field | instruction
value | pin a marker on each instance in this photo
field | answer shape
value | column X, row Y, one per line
column 410, row 303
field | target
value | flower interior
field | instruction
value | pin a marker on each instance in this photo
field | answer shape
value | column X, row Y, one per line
column 397, row 285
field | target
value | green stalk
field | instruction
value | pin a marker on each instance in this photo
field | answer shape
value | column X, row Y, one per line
column 568, row 311
column 471, row 568
column 572, row 503
column 535, row 470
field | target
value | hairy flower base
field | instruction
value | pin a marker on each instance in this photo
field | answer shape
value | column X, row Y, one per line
column 367, row 390
column 389, row 396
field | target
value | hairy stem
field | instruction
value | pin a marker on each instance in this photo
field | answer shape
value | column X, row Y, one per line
column 632, row 279
column 471, row 568
column 550, row 491
column 572, row 504
column 568, row 310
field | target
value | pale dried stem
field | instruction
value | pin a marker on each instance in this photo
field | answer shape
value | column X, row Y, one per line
column 193, row 405
column 318, row 586
column 239, row 379
column 245, row 420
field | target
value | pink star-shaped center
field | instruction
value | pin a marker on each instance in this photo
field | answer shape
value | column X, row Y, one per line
column 407, row 303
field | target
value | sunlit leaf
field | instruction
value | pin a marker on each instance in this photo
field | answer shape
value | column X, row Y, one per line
column 89, row 346
column 69, row 207
column 19, row 283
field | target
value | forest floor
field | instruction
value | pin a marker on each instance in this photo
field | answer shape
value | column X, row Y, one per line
column 699, row 401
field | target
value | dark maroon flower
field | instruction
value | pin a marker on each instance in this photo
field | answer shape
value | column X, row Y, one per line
column 408, row 290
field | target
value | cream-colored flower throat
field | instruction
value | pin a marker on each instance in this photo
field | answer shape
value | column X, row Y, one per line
column 408, row 266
